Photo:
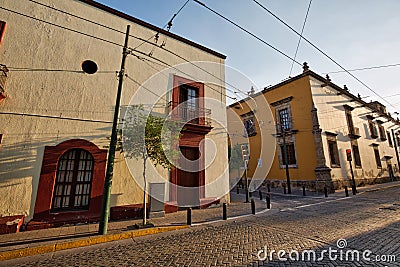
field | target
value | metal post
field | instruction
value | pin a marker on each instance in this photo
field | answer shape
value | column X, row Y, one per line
column 260, row 193
column 253, row 207
column 268, row 199
column 395, row 144
column 268, row 187
column 346, row 191
column 105, row 211
column 326, row 191
column 304, row 190
column 224, row 212
column 285, row 156
column 246, row 183
column 353, row 186
column 284, row 189
column 189, row 216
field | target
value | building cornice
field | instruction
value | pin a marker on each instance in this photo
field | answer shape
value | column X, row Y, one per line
column 150, row 26
column 325, row 82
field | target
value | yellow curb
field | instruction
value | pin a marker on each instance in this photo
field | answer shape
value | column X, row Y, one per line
column 18, row 253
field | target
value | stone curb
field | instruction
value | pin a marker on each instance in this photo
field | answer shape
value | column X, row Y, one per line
column 18, row 253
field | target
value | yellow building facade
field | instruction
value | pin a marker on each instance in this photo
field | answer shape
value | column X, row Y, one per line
column 317, row 121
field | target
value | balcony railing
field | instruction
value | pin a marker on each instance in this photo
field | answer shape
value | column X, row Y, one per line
column 189, row 113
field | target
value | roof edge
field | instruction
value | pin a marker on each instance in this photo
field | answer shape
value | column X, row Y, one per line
column 151, row 26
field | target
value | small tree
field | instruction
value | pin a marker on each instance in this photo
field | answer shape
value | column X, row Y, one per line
column 235, row 159
column 143, row 138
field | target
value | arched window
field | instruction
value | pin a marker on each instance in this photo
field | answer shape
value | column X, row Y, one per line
column 74, row 181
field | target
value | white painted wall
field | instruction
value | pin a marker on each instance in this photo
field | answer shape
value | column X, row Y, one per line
column 332, row 118
column 35, row 45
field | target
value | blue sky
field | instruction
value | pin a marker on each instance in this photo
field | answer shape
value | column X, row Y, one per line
column 356, row 33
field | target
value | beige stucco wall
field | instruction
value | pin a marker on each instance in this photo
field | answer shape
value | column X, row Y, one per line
column 332, row 118
column 71, row 94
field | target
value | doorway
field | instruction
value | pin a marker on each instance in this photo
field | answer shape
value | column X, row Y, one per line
column 188, row 177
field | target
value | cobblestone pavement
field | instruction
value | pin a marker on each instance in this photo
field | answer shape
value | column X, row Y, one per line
column 368, row 221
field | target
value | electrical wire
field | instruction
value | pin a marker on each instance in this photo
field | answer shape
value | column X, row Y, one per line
column 322, row 52
column 166, row 24
column 366, row 68
column 99, row 24
column 301, row 34
column 54, row 70
column 173, row 67
column 247, row 31
column 53, row 117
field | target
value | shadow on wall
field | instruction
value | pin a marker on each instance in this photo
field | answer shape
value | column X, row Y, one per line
column 19, row 162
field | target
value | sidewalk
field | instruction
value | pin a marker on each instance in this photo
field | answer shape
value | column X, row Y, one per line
column 29, row 243
column 55, row 239
column 298, row 191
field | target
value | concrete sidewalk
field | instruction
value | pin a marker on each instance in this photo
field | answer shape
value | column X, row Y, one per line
column 30, row 243
column 55, row 239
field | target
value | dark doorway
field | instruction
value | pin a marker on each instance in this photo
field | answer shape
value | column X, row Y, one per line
column 188, row 178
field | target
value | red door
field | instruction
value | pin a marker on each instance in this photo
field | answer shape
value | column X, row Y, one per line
column 188, row 178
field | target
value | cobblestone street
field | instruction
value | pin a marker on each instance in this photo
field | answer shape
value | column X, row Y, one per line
column 368, row 221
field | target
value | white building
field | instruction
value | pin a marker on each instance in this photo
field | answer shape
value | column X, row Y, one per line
column 52, row 115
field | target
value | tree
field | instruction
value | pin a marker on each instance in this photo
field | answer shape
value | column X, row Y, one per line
column 235, row 159
column 149, row 136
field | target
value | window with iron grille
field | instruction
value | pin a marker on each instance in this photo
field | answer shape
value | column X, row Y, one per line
column 357, row 157
column 350, row 123
column 74, row 181
column 284, row 119
column 377, row 157
column 291, row 154
column 389, row 139
column 333, row 151
column 372, row 129
column 382, row 133
column 249, row 126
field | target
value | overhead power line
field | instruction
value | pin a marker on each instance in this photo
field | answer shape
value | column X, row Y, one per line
column 168, row 24
column 247, row 31
column 366, row 68
column 301, row 35
column 122, row 32
column 322, row 52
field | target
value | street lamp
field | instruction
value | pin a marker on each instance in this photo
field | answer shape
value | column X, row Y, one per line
column 285, row 156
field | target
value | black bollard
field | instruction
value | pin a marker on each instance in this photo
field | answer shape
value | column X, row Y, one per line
column 268, row 199
column 353, row 188
column 237, row 189
column 189, row 216
column 268, row 188
column 250, row 194
column 224, row 212
column 260, row 193
column 326, row 191
column 284, row 189
column 304, row 190
column 253, row 207
column 346, row 191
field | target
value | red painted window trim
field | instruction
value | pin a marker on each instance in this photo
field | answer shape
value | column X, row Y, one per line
column 48, row 176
